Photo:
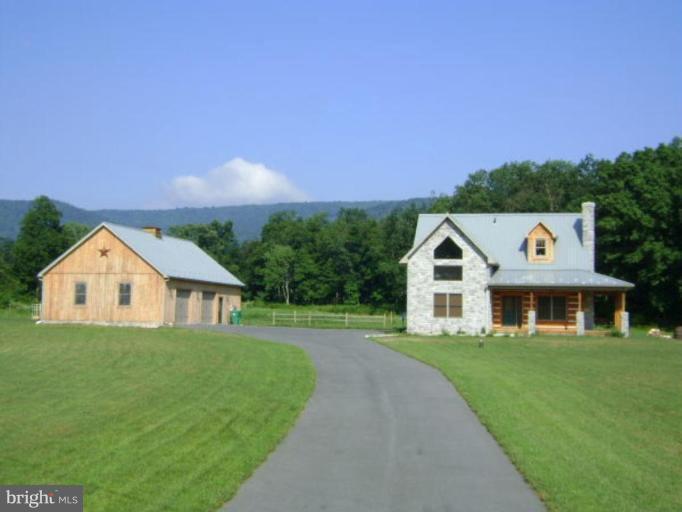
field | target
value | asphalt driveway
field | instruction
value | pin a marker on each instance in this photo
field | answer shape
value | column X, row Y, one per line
column 382, row 432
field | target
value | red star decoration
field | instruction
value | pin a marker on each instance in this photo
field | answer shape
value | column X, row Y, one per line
column 103, row 252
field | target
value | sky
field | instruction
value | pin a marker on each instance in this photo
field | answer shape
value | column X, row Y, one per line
column 164, row 104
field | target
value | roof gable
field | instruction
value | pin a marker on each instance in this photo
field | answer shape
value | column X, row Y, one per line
column 446, row 219
column 540, row 229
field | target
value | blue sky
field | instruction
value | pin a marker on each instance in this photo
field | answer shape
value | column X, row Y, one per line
column 146, row 104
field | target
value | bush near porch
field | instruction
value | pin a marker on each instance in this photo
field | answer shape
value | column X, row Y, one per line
column 594, row 424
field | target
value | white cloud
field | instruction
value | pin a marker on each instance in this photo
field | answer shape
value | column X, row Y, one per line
column 235, row 182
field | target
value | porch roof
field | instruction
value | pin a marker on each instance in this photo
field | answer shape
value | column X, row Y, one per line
column 557, row 279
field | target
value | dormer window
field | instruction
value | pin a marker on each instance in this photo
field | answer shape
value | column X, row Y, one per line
column 540, row 244
column 540, row 247
column 448, row 250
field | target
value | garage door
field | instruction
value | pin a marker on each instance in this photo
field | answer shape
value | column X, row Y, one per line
column 207, row 307
column 182, row 306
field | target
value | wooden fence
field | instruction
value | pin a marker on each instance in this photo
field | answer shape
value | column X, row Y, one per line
column 346, row 320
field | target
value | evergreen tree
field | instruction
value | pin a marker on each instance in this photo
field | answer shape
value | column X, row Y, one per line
column 40, row 241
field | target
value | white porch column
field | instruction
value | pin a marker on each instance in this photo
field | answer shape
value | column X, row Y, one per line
column 531, row 322
column 625, row 323
column 580, row 323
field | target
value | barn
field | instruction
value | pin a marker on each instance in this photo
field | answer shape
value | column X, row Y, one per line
column 141, row 277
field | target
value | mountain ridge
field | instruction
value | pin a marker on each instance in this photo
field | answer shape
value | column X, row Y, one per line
column 248, row 220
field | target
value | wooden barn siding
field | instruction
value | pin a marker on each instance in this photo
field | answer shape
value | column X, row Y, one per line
column 102, row 274
column 231, row 296
column 571, row 304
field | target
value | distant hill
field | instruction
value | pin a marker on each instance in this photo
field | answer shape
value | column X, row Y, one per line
column 248, row 219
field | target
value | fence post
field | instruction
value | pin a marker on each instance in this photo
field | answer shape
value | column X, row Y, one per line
column 294, row 316
column 346, row 319
column 384, row 320
column 391, row 313
column 273, row 318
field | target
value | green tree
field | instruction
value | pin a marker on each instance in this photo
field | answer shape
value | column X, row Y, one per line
column 397, row 234
column 556, row 185
column 639, row 223
column 252, row 262
column 279, row 271
column 41, row 240
column 10, row 288
column 74, row 231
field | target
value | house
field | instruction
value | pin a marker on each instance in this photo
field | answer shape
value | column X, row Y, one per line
column 525, row 272
column 123, row 275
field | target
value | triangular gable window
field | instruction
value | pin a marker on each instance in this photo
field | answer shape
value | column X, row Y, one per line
column 448, row 250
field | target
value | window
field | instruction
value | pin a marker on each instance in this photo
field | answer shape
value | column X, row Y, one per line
column 448, row 250
column 447, row 305
column 440, row 305
column 447, row 273
column 81, row 294
column 552, row 308
column 125, row 291
column 541, row 247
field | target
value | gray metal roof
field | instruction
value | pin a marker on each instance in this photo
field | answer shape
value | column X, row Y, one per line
column 170, row 256
column 556, row 278
column 502, row 237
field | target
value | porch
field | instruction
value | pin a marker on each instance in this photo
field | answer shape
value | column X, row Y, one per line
column 554, row 311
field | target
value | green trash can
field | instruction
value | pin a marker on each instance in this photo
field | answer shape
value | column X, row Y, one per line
column 236, row 317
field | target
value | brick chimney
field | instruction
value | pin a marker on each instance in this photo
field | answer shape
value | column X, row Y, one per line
column 153, row 230
column 588, row 229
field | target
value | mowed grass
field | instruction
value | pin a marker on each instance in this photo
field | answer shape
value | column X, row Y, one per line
column 146, row 420
column 594, row 424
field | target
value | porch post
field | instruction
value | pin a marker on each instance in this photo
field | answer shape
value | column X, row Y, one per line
column 532, row 329
column 622, row 317
column 580, row 316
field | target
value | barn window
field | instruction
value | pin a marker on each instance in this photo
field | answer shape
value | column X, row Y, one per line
column 81, row 294
column 448, row 250
column 447, row 305
column 552, row 308
column 125, row 292
column 447, row 273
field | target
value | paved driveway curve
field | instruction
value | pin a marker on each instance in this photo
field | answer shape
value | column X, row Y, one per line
column 381, row 433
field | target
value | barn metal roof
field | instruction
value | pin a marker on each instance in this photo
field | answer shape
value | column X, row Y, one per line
column 557, row 278
column 172, row 257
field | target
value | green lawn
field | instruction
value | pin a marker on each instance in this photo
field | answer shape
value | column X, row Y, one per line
column 594, row 424
column 146, row 419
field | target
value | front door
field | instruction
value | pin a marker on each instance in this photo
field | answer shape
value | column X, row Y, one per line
column 220, row 310
column 511, row 311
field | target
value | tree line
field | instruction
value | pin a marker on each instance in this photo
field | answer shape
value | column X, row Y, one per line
column 354, row 259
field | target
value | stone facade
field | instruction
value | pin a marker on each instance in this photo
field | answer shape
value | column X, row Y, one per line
column 421, row 287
